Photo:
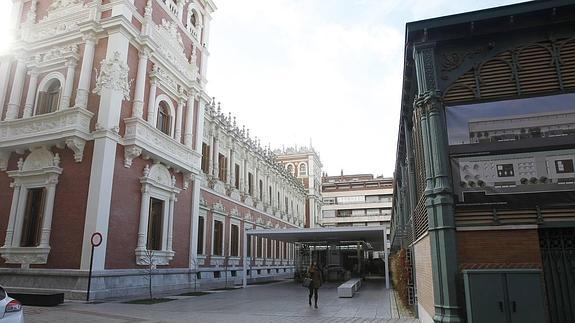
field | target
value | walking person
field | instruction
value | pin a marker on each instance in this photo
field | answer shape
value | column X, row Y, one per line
column 316, row 279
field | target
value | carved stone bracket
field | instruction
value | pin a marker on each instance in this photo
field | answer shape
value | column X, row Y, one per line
column 4, row 157
column 77, row 146
column 131, row 152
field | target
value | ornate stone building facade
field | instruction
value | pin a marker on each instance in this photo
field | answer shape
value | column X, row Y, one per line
column 244, row 187
column 305, row 164
column 101, row 105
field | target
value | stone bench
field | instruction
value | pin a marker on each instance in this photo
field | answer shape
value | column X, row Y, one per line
column 349, row 288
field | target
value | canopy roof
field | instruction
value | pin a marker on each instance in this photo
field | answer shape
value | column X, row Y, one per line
column 339, row 235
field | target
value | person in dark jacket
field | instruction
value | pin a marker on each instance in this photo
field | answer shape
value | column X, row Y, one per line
column 316, row 278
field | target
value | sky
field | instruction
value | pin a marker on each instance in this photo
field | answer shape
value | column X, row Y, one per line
column 325, row 71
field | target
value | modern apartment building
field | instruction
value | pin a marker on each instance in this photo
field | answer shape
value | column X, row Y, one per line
column 356, row 200
column 304, row 164
column 484, row 203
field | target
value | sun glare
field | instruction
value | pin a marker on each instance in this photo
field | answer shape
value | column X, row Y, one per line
column 5, row 36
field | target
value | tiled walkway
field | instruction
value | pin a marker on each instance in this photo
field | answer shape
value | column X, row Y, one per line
column 280, row 302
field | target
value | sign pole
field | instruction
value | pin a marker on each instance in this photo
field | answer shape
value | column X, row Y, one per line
column 96, row 240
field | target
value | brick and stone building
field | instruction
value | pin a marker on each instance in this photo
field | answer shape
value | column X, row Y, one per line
column 356, row 200
column 102, row 107
column 484, row 183
column 243, row 187
column 305, row 164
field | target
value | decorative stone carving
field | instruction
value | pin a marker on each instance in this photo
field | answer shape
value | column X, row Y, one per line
column 77, row 146
column 169, row 30
column 60, row 4
column 4, row 157
column 113, row 75
column 219, row 207
column 160, row 174
column 130, row 153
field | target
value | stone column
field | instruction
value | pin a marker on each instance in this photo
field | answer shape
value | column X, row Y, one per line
column 138, row 105
column 11, row 221
column 438, row 192
column 215, row 161
column 211, row 156
column 16, row 93
column 67, row 94
column 144, row 216
column 47, row 218
column 31, row 95
column 171, row 222
column 152, row 100
column 179, row 112
column 86, row 71
column 5, row 67
column 232, row 168
column 195, row 213
column 188, row 128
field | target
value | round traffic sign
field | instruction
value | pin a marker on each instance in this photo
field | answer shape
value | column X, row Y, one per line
column 96, row 239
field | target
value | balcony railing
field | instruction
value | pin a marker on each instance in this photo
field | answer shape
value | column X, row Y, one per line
column 142, row 138
column 70, row 127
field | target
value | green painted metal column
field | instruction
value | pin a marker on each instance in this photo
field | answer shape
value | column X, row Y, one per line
column 438, row 191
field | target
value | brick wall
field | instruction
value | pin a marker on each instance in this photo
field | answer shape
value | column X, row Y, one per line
column 424, row 275
column 498, row 249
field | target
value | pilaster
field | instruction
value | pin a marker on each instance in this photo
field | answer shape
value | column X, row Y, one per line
column 438, row 192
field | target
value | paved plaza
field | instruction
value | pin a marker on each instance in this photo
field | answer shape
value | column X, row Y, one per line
column 277, row 302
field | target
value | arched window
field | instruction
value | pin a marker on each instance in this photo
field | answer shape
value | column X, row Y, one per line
column 302, row 169
column 49, row 97
column 290, row 168
column 194, row 19
column 164, row 121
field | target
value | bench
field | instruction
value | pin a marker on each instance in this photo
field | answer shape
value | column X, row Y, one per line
column 349, row 288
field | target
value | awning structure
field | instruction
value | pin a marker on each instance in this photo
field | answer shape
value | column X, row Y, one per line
column 375, row 236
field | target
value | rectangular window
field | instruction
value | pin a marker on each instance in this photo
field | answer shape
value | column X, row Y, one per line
column 235, row 235
column 505, row 170
column 237, row 177
column 218, row 238
column 269, row 248
column 155, row 224
column 205, row 158
column 278, row 253
column 286, row 204
column 270, row 196
column 250, row 238
column 261, row 190
column 201, row 235
column 223, row 167
column 32, row 225
column 564, row 166
column 250, row 184
column 259, row 247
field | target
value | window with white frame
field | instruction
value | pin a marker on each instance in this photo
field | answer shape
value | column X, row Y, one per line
column 218, row 238
column 201, row 234
column 235, row 240
column 155, row 231
column 27, row 238
column 165, row 116
column 302, row 169
column 49, row 94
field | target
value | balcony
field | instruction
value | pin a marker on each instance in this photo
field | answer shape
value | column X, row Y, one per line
column 70, row 127
column 141, row 138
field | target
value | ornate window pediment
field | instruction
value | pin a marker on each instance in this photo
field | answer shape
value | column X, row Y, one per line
column 30, row 222
column 156, row 216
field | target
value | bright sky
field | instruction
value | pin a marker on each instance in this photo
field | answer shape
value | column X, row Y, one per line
column 329, row 70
